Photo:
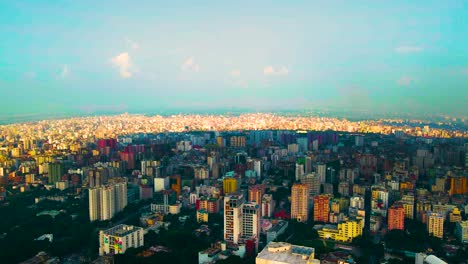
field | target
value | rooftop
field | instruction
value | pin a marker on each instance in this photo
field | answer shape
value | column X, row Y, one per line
column 282, row 252
column 121, row 230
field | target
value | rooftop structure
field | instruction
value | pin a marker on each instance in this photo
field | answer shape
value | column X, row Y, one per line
column 285, row 253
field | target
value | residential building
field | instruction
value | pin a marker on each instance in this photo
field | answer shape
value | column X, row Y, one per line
column 300, row 202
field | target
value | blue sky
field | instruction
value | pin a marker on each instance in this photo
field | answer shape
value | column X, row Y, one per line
column 379, row 56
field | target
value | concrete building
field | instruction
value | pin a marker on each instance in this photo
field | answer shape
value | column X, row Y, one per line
column 321, row 208
column 233, row 217
column 462, row 231
column 118, row 239
column 343, row 232
column 285, row 253
column 161, row 184
column 268, row 206
column 106, row 201
column 396, row 217
column 229, row 185
column 300, row 202
column 435, row 224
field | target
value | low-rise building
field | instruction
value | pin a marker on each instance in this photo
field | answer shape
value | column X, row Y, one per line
column 118, row 239
column 285, row 253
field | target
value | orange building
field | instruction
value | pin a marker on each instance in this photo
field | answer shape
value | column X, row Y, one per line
column 300, row 202
column 256, row 193
column 321, row 208
column 458, row 185
column 175, row 183
column 396, row 217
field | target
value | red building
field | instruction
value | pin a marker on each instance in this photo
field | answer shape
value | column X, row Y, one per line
column 396, row 217
column 321, row 208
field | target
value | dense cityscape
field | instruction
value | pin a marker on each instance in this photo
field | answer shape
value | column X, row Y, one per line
column 254, row 188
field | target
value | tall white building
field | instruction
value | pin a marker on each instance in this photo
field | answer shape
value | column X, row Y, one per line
column 299, row 171
column 322, row 172
column 233, row 217
column 258, row 167
column 106, row 201
column 118, row 239
column 313, row 182
column 241, row 219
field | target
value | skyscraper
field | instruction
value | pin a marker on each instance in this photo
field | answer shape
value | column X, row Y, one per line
column 396, row 217
column 321, row 208
column 233, row 217
column 300, row 202
column 106, row 201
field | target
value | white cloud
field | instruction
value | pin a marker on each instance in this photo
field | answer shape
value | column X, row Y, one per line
column 235, row 73
column 408, row 49
column 189, row 65
column 124, row 64
column 132, row 44
column 270, row 70
column 406, row 80
column 65, row 72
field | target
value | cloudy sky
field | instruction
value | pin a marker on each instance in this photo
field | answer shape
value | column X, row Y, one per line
column 75, row 56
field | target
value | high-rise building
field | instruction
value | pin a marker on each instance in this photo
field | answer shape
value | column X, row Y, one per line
column 55, row 172
column 458, row 185
column 233, row 217
column 435, row 224
column 256, row 193
column 313, row 182
column 321, row 208
column 322, row 172
column 118, row 239
column 300, row 202
column 396, row 217
column 251, row 222
column 229, row 185
column 237, row 141
column 106, row 201
column 299, row 171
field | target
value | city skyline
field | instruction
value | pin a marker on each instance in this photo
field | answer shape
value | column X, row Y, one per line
column 76, row 58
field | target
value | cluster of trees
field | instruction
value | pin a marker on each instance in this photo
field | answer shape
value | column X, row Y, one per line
column 21, row 226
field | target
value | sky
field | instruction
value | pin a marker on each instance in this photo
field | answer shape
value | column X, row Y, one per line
column 66, row 56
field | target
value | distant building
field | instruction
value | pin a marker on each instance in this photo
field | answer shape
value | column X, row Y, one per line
column 55, row 172
column 118, row 239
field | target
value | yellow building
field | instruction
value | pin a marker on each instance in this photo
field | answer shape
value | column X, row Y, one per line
column 343, row 232
column 435, row 224
column 455, row 215
column 409, row 210
column 229, row 185
column 202, row 216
